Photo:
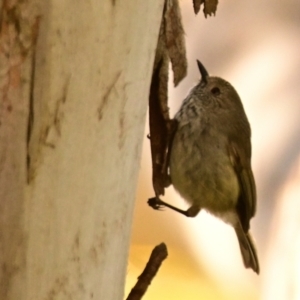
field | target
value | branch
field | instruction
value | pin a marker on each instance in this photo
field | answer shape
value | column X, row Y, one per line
column 158, row 254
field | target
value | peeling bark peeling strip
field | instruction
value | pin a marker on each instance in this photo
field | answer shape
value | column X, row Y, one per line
column 44, row 138
column 19, row 26
column 122, row 125
column 58, row 115
column 106, row 96
column 31, row 112
column 52, row 132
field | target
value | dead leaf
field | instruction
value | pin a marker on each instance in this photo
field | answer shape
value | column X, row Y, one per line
column 170, row 46
column 197, row 5
column 175, row 41
column 210, row 7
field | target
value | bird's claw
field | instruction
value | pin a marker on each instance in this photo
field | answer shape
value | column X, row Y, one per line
column 154, row 203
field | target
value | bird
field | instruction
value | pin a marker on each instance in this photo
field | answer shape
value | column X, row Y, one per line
column 210, row 159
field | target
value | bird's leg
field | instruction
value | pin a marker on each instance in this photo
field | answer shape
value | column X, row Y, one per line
column 157, row 204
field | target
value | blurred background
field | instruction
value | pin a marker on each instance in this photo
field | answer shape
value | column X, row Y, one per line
column 255, row 45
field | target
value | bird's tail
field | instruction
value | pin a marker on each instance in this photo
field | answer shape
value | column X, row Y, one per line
column 247, row 249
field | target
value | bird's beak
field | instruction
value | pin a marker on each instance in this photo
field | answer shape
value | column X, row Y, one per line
column 203, row 72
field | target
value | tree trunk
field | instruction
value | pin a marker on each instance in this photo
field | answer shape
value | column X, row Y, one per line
column 74, row 85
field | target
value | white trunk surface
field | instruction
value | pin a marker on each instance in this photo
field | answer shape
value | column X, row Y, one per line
column 65, row 221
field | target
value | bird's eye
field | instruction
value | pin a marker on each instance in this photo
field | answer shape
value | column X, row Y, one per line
column 215, row 91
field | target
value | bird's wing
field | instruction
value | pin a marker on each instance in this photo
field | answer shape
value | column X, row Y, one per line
column 246, row 205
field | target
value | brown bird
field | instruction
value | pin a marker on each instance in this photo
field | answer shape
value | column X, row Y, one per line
column 210, row 159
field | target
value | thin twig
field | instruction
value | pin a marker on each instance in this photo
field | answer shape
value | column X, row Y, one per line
column 159, row 253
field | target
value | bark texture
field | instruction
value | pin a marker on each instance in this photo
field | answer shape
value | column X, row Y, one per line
column 74, row 86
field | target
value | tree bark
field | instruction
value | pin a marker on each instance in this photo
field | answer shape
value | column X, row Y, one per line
column 74, row 86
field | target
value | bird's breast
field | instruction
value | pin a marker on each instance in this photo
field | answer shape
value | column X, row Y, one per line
column 200, row 167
